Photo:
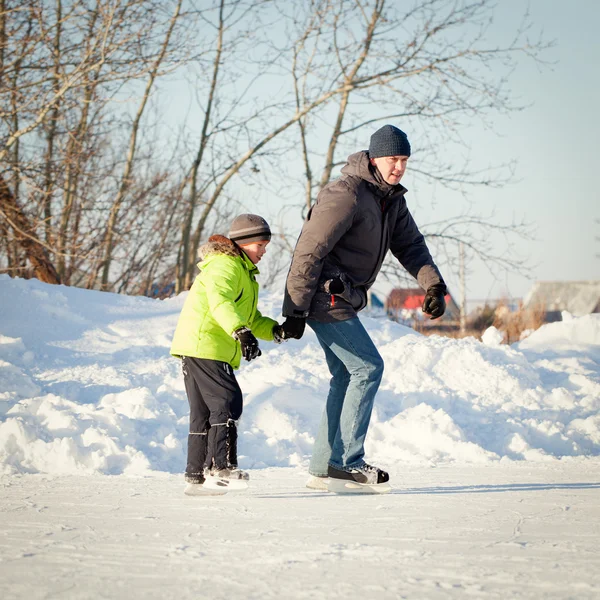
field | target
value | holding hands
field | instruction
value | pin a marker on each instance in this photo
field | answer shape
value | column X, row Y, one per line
column 292, row 327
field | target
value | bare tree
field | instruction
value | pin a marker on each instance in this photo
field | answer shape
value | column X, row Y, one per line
column 184, row 265
column 348, row 55
column 428, row 66
column 68, row 68
column 23, row 232
column 281, row 92
column 108, row 241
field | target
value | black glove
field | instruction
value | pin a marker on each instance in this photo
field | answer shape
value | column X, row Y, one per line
column 278, row 334
column 435, row 303
column 249, row 343
column 293, row 327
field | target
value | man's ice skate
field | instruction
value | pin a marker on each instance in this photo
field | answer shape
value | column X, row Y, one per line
column 362, row 479
column 318, row 483
column 196, row 486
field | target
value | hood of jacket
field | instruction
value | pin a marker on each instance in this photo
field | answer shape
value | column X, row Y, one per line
column 221, row 245
column 218, row 244
column 359, row 165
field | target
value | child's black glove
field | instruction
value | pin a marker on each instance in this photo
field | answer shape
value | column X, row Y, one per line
column 278, row 334
column 434, row 304
column 249, row 343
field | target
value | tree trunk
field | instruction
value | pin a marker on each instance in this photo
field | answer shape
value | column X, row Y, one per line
column 50, row 173
column 109, row 236
column 25, row 235
column 188, row 246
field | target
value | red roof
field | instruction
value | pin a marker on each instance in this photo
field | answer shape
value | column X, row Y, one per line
column 407, row 298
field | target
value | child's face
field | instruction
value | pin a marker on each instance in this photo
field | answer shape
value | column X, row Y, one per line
column 255, row 250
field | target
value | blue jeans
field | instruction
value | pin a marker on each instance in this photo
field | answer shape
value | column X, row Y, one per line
column 356, row 368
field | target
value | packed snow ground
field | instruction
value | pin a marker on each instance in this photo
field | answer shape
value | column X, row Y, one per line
column 494, row 453
column 504, row 530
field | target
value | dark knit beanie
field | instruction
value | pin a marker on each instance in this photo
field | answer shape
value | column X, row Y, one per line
column 389, row 141
column 247, row 229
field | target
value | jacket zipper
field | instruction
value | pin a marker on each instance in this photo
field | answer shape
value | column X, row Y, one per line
column 384, row 206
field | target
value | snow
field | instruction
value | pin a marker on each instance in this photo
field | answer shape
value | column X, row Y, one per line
column 493, row 451
column 487, row 531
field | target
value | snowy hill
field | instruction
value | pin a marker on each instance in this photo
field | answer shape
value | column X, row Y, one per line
column 87, row 386
column 493, row 453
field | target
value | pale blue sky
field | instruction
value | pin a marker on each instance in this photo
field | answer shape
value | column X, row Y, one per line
column 554, row 142
column 556, row 145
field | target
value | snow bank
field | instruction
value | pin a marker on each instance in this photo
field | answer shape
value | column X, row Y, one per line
column 87, row 386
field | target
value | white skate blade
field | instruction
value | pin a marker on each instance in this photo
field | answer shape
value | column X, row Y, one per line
column 344, row 486
column 318, row 483
column 229, row 485
column 195, row 489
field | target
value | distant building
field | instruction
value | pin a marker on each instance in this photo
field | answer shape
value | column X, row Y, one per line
column 375, row 306
column 576, row 297
column 404, row 305
column 374, row 301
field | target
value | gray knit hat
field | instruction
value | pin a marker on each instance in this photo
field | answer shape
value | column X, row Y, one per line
column 389, row 141
column 247, row 229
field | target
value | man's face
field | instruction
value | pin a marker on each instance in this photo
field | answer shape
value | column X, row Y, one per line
column 391, row 167
column 255, row 251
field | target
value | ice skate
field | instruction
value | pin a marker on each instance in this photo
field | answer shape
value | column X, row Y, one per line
column 230, row 472
column 362, row 479
column 231, row 477
column 195, row 486
column 317, row 483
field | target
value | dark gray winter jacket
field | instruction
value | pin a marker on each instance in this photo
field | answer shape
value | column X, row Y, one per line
column 348, row 231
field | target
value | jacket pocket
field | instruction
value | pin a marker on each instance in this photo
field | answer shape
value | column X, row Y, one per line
column 355, row 296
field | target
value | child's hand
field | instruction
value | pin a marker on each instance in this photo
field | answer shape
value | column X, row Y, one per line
column 278, row 334
column 249, row 343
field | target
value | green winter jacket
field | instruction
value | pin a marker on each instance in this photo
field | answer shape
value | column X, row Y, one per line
column 222, row 299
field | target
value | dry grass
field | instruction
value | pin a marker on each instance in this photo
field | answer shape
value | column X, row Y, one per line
column 512, row 324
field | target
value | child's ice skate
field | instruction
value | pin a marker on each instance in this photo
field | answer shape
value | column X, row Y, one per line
column 196, row 486
column 233, row 478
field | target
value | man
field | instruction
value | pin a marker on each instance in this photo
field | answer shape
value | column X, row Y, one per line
column 354, row 222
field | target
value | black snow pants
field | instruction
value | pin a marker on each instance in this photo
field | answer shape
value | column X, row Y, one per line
column 215, row 400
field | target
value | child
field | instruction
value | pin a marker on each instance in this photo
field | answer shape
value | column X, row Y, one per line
column 216, row 327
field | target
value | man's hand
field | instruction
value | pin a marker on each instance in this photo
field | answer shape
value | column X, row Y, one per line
column 249, row 343
column 434, row 304
column 293, row 327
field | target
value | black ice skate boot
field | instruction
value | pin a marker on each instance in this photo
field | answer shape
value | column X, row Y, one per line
column 194, row 476
column 232, row 461
column 223, row 443
column 196, row 457
column 360, row 479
